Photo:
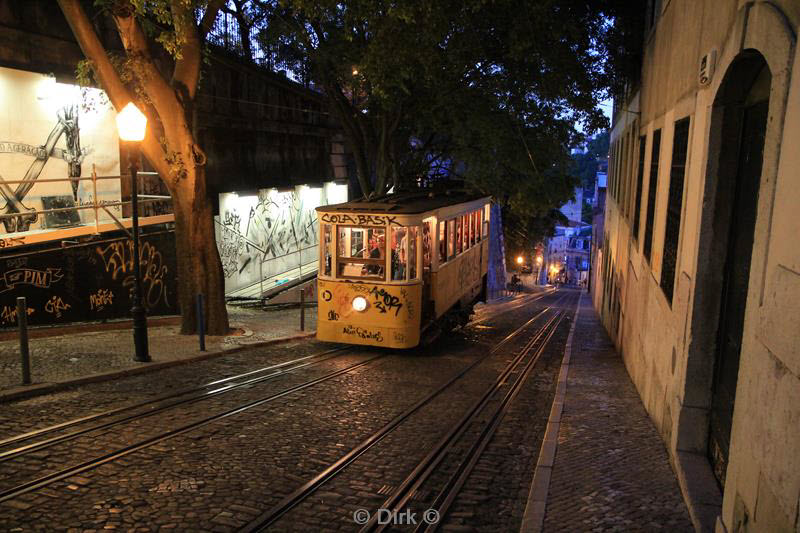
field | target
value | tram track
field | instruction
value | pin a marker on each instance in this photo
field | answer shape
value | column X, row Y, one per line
column 42, row 481
column 412, row 485
column 198, row 393
column 274, row 514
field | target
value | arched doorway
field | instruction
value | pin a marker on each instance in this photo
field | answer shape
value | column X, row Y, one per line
column 736, row 147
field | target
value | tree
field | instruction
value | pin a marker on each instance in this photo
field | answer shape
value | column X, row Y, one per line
column 486, row 91
column 164, row 85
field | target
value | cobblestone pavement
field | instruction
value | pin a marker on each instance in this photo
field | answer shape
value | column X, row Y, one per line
column 611, row 471
column 219, row 476
column 75, row 354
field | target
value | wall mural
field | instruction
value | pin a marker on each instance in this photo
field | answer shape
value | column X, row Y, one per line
column 266, row 238
column 74, row 126
column 89, row 282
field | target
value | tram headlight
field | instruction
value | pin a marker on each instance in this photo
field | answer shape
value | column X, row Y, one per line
column 359, row 303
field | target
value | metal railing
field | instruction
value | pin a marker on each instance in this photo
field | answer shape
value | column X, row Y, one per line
column 11, row 239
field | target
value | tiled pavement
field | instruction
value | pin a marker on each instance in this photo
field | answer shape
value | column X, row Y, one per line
column 611, row 471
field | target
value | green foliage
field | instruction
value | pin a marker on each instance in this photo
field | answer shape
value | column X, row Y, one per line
column 489, row 92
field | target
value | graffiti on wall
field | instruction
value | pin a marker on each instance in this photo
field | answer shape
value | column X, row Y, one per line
column 89, row 282
column 16, row 215
column 268, row 234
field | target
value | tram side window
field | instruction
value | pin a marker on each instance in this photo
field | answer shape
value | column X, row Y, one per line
column 327, row 249
column 459, row 240
column 486, row 220
column 442, row 242
column 451, row 239
column 471, row 229
column 399, row 253
column 367, row 249
column 427, row 246
column 412, row 252
column 477, row 220
column 465, row 235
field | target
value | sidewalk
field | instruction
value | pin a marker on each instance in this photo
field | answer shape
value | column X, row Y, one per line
column 603, row 465
column 87, row 351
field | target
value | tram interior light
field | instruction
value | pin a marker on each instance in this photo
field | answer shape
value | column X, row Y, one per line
column 519, row 259
column 359, row 303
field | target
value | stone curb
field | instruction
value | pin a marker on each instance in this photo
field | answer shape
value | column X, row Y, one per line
column 39, row 389
column 533, row 519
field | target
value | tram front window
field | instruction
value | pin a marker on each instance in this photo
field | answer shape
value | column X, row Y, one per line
column 362, row 252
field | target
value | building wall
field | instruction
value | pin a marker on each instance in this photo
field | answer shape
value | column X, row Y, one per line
column 668, row 346
column 267, row 239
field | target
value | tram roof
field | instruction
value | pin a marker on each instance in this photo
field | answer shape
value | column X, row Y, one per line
column 412, row 202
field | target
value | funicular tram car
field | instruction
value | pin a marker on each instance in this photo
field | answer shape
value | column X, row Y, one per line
column 395, row 267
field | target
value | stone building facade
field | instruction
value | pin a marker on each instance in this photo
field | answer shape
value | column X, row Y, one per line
column 698, row 271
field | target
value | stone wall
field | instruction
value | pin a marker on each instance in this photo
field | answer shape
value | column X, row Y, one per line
column 667, row 343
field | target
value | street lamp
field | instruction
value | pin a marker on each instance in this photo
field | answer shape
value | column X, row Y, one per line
column 131, row 124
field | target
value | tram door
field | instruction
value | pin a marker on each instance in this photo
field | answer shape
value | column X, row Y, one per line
column 736, row 275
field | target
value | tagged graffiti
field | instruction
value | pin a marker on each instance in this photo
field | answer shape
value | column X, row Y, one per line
column 274, row 229
column 118, row 260
column 29, row 276
column 99, row 300
column 383, row 300
column 361, row 220
column 363, row 333
column 55, row 305
column 468, row 271
column 333, row 315
column 8, row 315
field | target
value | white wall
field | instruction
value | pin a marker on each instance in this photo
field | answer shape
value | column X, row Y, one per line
column 30, row 106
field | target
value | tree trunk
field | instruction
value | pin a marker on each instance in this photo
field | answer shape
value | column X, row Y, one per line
column 199, row 266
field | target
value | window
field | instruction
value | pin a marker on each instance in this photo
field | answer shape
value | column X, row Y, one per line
column 637, row 207
column 362, row 252
column 651, row 194
column 486, row 211
column 399, row 253
column 672, row 231
column 412, row 252
column 451, row 239
column 472, row 229
column 327, row 249
column 442, row 242
column 459, row 240
column 427, row 252
column 465, row 233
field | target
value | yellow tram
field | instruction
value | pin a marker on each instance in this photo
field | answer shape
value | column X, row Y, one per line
column 392, row 267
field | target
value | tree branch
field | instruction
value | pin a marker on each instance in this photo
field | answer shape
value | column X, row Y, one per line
column 186, row 76
column 107, row 76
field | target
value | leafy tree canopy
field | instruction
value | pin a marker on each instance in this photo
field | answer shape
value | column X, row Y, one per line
column 488, row 92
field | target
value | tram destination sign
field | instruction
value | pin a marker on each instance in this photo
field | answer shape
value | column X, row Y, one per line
column 360, row 220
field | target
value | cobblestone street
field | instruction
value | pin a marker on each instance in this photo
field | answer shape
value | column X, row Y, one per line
column 232, row 442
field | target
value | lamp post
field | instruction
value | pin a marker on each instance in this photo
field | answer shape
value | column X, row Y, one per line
column 131, row 124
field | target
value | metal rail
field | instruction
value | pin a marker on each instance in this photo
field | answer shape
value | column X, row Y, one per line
column 425, row 468
column 47, row 479
column 269, row 517
column 281, row 369
column 111, row 412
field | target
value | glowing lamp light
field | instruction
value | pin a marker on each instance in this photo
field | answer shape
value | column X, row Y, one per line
column 519, row 260
column 359, row 303
column 539, row 259
column 131, row 123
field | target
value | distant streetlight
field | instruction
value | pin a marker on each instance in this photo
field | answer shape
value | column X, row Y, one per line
column 519, row 260
column 539, row 259
column 132, row 124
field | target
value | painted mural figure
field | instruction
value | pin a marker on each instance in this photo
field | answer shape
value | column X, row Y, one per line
column 25, row 216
